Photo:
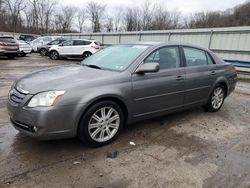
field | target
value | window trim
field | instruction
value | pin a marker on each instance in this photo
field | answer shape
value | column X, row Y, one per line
column 196, row 48
column 167, row 46
column 209, row 55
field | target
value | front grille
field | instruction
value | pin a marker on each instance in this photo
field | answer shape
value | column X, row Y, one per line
column 16, row 96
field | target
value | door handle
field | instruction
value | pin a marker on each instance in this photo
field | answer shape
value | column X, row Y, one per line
column 180, row 78
column 213, row 73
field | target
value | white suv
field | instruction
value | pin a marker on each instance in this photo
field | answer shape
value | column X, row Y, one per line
column 41, row 41
column 79, row 48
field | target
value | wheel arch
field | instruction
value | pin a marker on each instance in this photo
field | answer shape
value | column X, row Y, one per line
column 112, row 98
column 222, row 81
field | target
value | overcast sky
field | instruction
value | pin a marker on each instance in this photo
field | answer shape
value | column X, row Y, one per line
column 185, row 6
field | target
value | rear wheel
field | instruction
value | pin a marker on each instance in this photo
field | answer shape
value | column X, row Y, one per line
column 86, row 54
column 43, row 52
column 101, row 123
column 216, row 99
column 54, row 55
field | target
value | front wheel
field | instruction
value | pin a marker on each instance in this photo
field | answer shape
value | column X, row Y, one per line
column 101, row 123
column 54, row 55
column 216, row 99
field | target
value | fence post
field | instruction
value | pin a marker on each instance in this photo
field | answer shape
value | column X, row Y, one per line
column 169, row 36
column 210, row 39
column 102, row 39
column 140, row 36
column 120, row 36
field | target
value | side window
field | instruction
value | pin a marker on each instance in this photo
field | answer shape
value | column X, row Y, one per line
column 68, row 43
column 209, row 59
column 167, row 57
column 47, row 39
column 79, row 43
column 195, row 57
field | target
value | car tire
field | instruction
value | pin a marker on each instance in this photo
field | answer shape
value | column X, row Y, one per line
column 43, row 52
column 54, row 55
column 101, row 124
column 216, row 99
column 86, row 54
column 22, row 54
column 10, row 56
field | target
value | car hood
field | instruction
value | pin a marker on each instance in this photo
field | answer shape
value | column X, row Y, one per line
column 60, row 78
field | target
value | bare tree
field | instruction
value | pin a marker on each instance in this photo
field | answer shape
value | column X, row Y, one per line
column 132, row 19
column 81, row 17
column 67, row 15
column 147, row 15
column 95, row 12
column 118, row 19
column 15, row 7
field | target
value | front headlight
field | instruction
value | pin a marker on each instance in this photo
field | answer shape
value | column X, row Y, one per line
column 49, row 98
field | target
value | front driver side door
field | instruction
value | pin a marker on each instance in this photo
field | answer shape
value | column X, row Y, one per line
column 161, row 91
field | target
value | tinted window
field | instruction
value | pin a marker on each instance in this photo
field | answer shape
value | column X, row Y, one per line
column 68, row 43
column 8, row 40
column 195, row 57
column 97, row 43
column 167, row 57
column 81, row 42
column 115, row 58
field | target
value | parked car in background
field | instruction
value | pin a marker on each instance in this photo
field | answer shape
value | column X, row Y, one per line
column 44, row 49
column 8, row 47
column 24, row 48
column 41, row 41
column 76, row 48
column 27, row 38
column 119, row 85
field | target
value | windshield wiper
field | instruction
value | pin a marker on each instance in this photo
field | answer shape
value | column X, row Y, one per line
column 93, row 66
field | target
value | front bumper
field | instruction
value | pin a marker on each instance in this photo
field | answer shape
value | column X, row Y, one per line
column 46, row 123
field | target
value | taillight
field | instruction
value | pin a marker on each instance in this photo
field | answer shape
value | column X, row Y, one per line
column 96, row 47
column 3, row 44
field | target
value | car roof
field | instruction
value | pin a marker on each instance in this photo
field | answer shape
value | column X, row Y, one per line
column 169, row 43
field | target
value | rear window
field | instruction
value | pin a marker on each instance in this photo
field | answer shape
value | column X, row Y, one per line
column 8, row 40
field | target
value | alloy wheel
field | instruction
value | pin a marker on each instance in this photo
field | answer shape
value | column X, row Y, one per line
column 54, row 55
column 217, row 98
column 104, row 124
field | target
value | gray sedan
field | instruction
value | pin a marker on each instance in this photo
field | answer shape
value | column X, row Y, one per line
column 119, row 85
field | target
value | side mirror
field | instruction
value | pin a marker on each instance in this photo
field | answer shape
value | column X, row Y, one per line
column 148, row 68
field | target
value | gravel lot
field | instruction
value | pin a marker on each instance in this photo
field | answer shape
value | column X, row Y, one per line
column 187, row 149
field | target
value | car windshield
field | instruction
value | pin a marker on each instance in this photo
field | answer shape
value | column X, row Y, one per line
column 116, row 58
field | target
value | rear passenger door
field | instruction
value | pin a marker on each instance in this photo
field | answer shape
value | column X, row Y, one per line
column 200, row 73
column 80, row 46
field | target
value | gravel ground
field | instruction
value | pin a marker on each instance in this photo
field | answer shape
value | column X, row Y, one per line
column 192, row 148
